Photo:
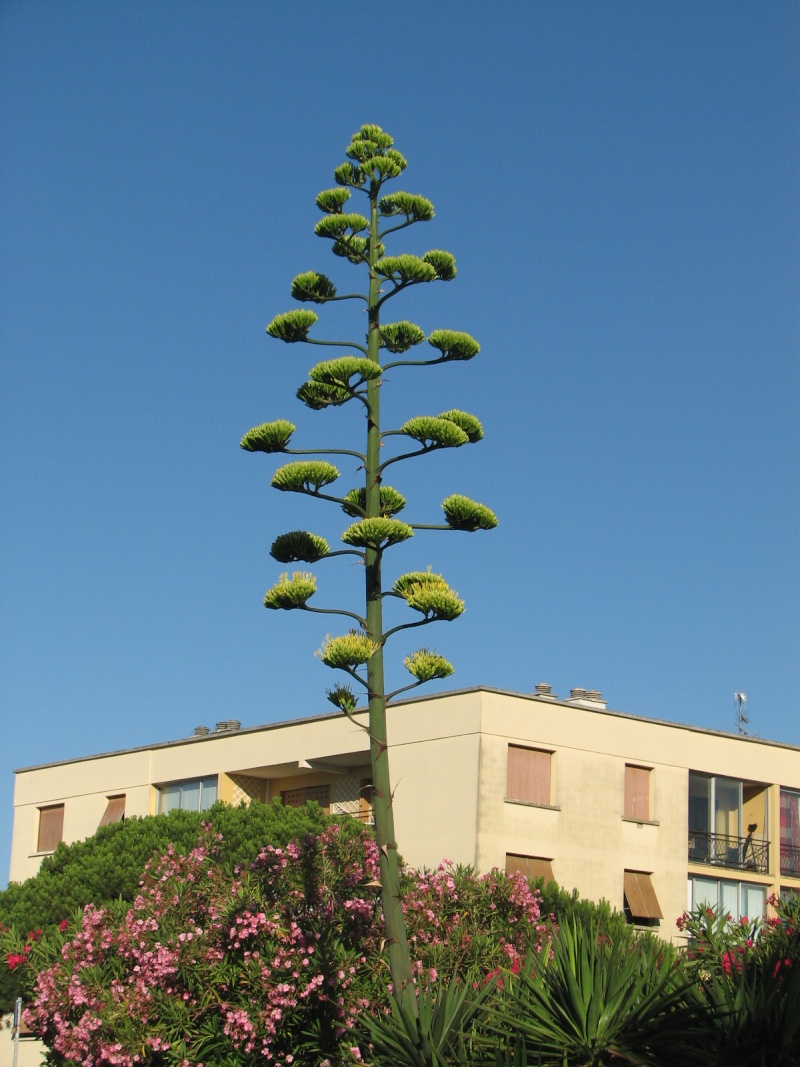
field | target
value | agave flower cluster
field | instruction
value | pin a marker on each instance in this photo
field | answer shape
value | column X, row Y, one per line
column 270, row 965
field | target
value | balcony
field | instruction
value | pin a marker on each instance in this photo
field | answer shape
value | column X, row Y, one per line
column 739, row 853
column 790, row 861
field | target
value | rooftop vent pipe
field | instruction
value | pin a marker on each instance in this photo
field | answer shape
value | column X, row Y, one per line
column 544, row 689
column 201, row 731
column 225, row 725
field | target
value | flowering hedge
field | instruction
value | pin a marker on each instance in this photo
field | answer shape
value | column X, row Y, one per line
column 271, row 964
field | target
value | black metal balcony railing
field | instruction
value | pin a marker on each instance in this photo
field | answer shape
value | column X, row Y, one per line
column 742, row 853
column 790, row 861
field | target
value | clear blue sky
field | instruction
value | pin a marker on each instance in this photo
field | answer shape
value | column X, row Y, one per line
column 619, row 185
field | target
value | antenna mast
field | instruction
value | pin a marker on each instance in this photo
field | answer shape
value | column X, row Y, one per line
column 742, row 719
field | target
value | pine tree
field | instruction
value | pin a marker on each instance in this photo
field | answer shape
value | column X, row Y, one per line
column 357, row 376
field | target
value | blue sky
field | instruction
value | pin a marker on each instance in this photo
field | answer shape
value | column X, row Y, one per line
column 618, row 183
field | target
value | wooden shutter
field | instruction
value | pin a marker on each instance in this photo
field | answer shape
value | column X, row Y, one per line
column 115, row 810
column 320, row 793
column 528, row 775
column 51, row 828
column 532, row 867
column 641, row 896
column 637, row 793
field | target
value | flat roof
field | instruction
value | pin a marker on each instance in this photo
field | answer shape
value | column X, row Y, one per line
column 216, row 735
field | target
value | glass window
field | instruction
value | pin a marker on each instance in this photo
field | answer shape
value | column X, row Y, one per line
column 790, row 833
column 194, row 795
column 736, row 899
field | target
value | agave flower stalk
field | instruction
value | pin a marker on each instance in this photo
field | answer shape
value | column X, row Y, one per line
column 358, row 375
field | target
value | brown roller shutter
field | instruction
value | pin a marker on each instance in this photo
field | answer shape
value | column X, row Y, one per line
column 51, row 828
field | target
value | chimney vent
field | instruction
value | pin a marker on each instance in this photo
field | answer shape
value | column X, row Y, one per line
column 227, row 725
column 201, row 731
column 544, row 689
column 577, row 694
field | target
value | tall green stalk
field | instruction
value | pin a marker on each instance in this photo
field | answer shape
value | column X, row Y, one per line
column 358, row 376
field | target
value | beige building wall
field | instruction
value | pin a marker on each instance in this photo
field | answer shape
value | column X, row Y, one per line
column 449, row 765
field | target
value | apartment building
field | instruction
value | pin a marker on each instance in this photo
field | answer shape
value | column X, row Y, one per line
column 652, row 816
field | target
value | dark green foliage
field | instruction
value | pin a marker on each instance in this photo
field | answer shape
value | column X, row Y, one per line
column 591, row 1002
column 109, row 865
column 568, row 907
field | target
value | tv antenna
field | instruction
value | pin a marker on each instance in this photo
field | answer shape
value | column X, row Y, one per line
column 742, row 719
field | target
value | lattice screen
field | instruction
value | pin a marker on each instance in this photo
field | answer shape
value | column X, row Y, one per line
column 247, row 788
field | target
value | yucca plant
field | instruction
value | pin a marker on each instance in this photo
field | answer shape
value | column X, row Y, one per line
column 590, row 1002
column 358, row 375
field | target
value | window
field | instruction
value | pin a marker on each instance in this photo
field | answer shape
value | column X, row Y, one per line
column 296, row 798
column 790, row 833
column 736, row 899
column 528, row 775
column 532, row 867
column 728, row 822
column 195, row 795
column 637, row 793
column 51, row 828
column 115, row 810
column 641, row 902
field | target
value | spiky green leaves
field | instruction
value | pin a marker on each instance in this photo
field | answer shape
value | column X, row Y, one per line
column 313, row 287
column 426, row 665
column 269, row 437
column 391, row 502
column 468, row 423
column 317, row 396
column 331, row 201
column 342, row 697
column 338, row 226
column 443, row 263
column 453, row 344
column 341, row 372
column 405, row 270
column 349, row 651
column 299, row 546
column 434, row 433
column 377, row 533
column 400, row 336
column 292, row 326
column 415, row 208
column 429, row 594
column 307, row 476
column 289, row 593
column 356, row 249
column 465, row 514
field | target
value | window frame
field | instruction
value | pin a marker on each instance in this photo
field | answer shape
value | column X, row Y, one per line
column 203, row 783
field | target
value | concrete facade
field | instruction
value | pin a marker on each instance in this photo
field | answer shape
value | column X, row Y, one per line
column 449, row 758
